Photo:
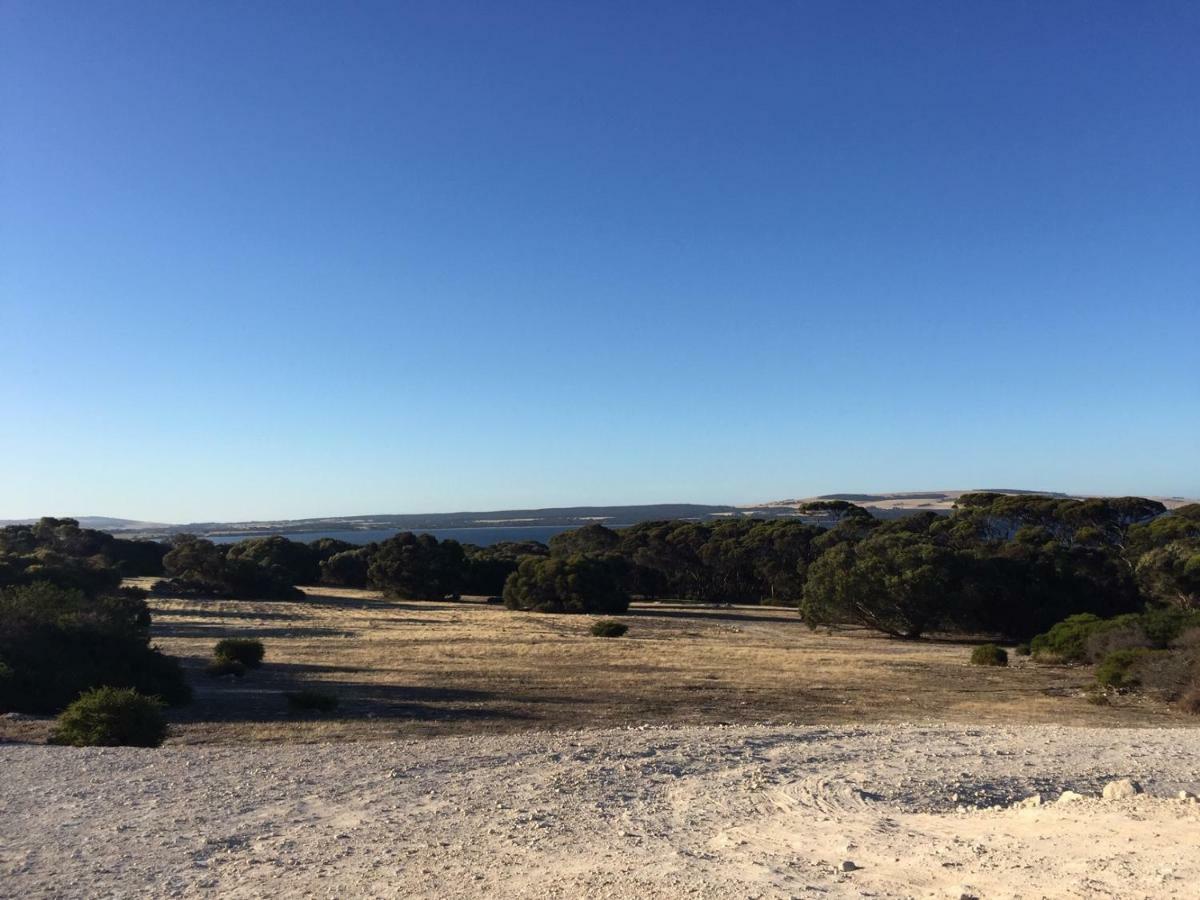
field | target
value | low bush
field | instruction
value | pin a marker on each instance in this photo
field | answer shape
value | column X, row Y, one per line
column 989, row 655
column 223, row 666
column 1022, row 650
column 1168, row 674
column 247, row 651
column 1109, row 638
column 310, row 700
column 1190, row 702
column 1066, row 641
column 111, row 717
column 1119, row 669
column 608, row 628
column 1088, row 638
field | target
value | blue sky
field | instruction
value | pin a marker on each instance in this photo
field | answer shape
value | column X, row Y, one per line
column 291, row 259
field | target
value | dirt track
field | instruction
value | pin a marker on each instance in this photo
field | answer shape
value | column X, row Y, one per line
column 654, row 812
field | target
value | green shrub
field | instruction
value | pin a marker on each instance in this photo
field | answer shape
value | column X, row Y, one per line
column 310, row 700
column 248, row 651
column 1118, row 669
column 989, row 655
column 608, row 628
column 111, row 717
column 1022, row 650
column 1066, row 641
column 223, row 666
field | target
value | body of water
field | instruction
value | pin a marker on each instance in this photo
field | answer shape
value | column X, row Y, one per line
column 482, row 536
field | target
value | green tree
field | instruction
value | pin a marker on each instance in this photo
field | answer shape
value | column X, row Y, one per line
column 292, row 561
column 1170, row 574
column 418, row 567
column 902, row 584
column 579, row 584
column 592, row 539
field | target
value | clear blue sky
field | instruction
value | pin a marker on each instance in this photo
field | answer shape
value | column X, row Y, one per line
column 288, row 259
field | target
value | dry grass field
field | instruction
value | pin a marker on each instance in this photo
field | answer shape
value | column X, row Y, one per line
column 408, row 669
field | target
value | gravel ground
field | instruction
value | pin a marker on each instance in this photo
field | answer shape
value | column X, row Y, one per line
column 752, row 811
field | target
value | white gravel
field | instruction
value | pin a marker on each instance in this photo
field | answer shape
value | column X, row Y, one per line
column 881, row 811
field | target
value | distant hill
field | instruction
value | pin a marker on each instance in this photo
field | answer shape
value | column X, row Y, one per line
column 884, row 505
column 100, row 523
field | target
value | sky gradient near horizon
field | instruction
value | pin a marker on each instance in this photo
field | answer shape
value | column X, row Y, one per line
column 293, row 259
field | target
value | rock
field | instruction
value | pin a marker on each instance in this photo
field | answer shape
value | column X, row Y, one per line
column 1030, row 802
column 849, row 865
column 1123, row 789
column 1070, row 797
column 1186, row 796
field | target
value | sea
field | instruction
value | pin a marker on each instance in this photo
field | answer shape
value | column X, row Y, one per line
column 482, row 536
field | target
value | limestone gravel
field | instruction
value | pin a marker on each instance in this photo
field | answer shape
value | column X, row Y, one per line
column 753, row 811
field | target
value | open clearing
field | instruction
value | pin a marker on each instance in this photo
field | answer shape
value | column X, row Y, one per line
column 758, row 811
column 407, row 669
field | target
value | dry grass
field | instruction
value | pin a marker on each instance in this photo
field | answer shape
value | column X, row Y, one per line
column 404, row 669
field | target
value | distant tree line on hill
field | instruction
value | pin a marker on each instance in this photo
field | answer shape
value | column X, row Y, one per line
column 1010, row 565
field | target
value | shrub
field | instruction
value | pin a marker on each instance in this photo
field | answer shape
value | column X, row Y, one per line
column 222, row 666
column 608, row 628
column 111, row 717
column 1190, row 702
column 989, row 655
column 1066, row 641
column 1022, row 650
column 1117, row 670
column 310, row 700
column 248, row 651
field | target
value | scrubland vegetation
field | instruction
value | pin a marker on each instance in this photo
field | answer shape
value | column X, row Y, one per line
column 1109, row 582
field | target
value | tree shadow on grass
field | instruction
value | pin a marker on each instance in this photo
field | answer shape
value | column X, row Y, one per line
column 219, row 630
column 707, row 614
column 260, row 695
column 313, row 597
column 198, row 613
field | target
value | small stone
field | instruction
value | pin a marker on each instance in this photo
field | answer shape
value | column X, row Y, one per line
column 1186, row 796
column 1122, row 789
column 849, row 865
column 1070, row 797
